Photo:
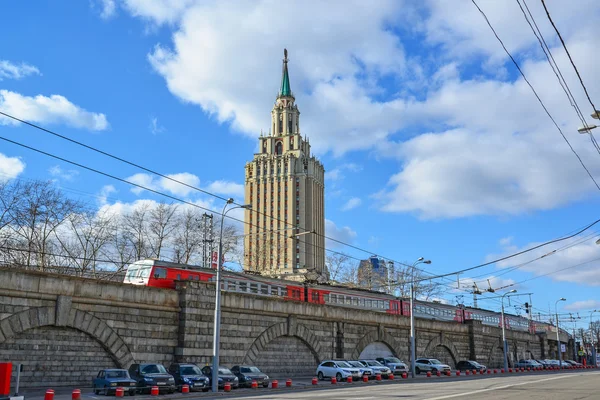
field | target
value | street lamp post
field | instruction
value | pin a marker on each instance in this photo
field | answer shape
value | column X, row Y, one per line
column 557, row 331
column 594, row 362
column 504, row 342
column 217, row 322
column 421, row 260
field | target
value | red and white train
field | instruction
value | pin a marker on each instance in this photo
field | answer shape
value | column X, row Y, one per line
column 164, row 274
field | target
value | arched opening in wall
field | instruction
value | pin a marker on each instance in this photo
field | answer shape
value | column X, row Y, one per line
column 375, row 350
column 278, row 148
column 444, row 355
column 55, row 356
column 287, row 356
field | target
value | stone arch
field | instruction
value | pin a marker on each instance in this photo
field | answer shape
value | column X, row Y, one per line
column 376, row 335
column 442, row 341
column 289, row 328
column 82, row 321
column 494, row 349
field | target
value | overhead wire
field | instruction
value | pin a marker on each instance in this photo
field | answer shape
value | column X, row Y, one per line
column 536, row 95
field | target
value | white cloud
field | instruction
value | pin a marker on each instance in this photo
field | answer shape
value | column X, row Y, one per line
column 338, row 173
column 351, row 204
column 109, row 9
column 583, row 305
column 55, row 109
column 10, row 167
column 68, row 175
column 8, row 70
column 155, row 128
column 573, row 261
column 105, row 192
column 343, row 234
column 158, row 11
column 164, row 184
column 226, row 188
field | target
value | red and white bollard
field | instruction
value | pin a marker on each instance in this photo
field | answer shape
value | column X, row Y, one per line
column 457, row 373
column 185, row 389
column 254, row 385
column 438, row 373
column 154, row 391
column 378, row 377
column 349, row 379
column 76, row 395
column 404, row 375
column 315, row 381
column 288, row 383
column 467, row 372
column 429, row 374
column 49, row 395
column 275, row 384
column 365, row 378
column 227, row 387
column 119, row 392
column 391, row 377
column 489, row 371
column 333, row 380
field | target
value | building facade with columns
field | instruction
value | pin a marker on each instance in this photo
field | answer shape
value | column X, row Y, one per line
column 285, row 228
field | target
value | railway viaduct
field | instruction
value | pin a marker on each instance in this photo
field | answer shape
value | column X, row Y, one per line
column 64, row 329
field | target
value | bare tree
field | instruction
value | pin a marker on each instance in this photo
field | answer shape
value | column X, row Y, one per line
column 135, row 227
column 188, row 236
column 337, row 265
column 400, row 281
column 162, row 222
column 37, row 214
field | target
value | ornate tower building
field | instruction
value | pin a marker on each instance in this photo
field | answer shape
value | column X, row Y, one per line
column 285, row 186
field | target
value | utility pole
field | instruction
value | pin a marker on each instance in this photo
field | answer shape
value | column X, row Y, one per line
column 207, row 239
column 476, row 291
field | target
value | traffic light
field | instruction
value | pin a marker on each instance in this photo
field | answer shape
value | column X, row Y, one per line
column 527, row 308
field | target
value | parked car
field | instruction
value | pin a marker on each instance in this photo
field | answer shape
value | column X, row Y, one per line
column 191, row 375
column 108, row 380
column 544, row 363
column 148, row 375
column 470, row 365
column 574, row 363
column 364, row 371
column 247, row 373
column 527, row 364
column 377, row 367
column 338, row 369
column 225, row 375
column 394, row 364
column 430, row 364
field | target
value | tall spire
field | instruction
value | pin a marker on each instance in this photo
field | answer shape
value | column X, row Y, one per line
column 285, row 78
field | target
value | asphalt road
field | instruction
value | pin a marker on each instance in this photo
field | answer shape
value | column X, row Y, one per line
column 567, row 385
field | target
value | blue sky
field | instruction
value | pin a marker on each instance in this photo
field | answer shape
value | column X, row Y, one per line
column 432, row 143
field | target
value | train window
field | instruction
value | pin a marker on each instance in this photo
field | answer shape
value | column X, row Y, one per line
column 274, row 291
column 284, row 292
column 253, row 288
column 314, row 296
column 264, row 289
column 178, row 277
column 349, row 300
column 368, row 303
column 160, row 273
column 334, row 298
column 361, row 302
column 355, row 301
column 326, row 298
column 243, row 286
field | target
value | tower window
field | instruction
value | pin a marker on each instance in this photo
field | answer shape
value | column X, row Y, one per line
column 280, row 123
column 278, row 148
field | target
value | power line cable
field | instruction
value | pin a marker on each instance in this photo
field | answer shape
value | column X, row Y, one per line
column 536, row 94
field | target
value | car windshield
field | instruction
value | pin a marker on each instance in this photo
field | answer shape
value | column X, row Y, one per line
column 343, row 364
column 153, row 369
column 373, row 363
column 249, row 370
column 224, row 371
column 356, row 364
column 393, row 360
column 190, row 370
column 116, row 374
column 475, row 363
column 434, row 361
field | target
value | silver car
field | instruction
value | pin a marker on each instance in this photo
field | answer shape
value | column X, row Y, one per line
column 377, row 367
column 337, row 369
column 430, row 364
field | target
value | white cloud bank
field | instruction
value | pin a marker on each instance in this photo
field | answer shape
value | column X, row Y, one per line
column 469, row 136
column 55, row 109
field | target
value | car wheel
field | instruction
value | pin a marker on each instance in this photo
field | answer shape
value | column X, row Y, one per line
column 96, row 391
column 338, row 376
column 417, row 371
column 434, row 370
column 132, row 392
column 205, row 390
column 105, row 390
column 320, row 376
column 266, row 384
